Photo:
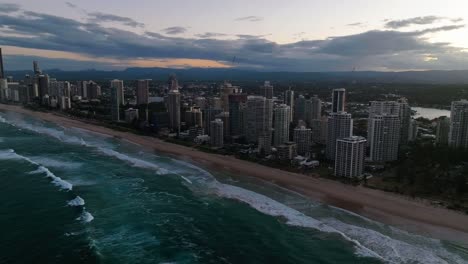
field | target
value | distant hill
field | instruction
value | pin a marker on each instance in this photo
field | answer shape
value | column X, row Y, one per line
column 203, row 74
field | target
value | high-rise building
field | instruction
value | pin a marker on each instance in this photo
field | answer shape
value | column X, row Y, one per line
column 115, row 103
column 405, row 120
column 400, row 108
column 43, row 85
column 258, row 117
column 458, row 137
column 266, row 90
column 194, row 117
column 281, row 122
column 303, row 140
column 236, row 106
column 4, row 94
column 443, row 130
column 289, row 101
column 299, row 109
column 94, row 90
column 350, row 154
column 119, row 86
column 413, row 130
column 340, row 125
column 209, row 114
column 312, row 110
column 2, row 73
column 142, row 92
column 37, row 70
column 228, row 89
column 173, row 106
column 216, row 133
column 384, row 136
column 264, row 143
column 338, row 100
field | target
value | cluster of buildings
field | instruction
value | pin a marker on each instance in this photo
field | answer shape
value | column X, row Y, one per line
column 287, row 127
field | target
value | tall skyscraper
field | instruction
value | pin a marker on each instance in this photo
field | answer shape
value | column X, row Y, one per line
column 281, row 122
column 236, row 105
column 405, row 120
column 259, row 114
column 289, row 100
column 340, row 125
column 209, row 114
column 119, row 86
column 142, row 92
column 115, row 103
column 400, row 108
column 173, row 105
column 194, row 117
column 384, row 136
column 299, row 109
column 36, row 68
column 216, row 133
column 338, row 100
column 350, row 156
column 2, row 73
column 312, row 110
column 93, row 90
column 266, row 90
column 228, row 89
column 458, row 137
column 443, row 130
column 303, row 140
column 43, row 85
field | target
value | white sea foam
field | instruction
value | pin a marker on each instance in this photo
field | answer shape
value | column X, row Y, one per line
column 55, row 163
column 78, row 201
column 11, row 154
column 85, row 217
column 368, row 242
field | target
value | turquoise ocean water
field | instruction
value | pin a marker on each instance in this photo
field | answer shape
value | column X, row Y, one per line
column 71, row 196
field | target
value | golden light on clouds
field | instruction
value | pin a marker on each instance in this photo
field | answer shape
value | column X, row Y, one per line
column 120, row 63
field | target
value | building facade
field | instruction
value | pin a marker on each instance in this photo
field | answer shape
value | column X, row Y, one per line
column 350, row 156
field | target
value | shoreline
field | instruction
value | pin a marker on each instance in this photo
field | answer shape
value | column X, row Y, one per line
column 392, row 209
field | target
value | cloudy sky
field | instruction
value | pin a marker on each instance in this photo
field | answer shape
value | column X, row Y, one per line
column 293, row 35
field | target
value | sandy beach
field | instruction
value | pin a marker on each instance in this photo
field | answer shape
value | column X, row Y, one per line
column 396, row 210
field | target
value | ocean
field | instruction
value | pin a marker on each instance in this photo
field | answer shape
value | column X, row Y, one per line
column 71, row 196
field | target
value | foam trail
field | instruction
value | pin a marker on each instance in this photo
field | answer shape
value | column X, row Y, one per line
column 85, row 217
column 11, row 154
column 78, row 201
column 49, row 162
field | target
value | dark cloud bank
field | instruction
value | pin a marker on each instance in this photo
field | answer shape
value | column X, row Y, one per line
column 377, row 49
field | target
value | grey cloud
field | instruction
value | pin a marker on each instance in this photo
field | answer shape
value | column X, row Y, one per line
column 250, row 18
column 97, row 17
column 71, row 5
column 174, row 30
column 9, row 7
column 438, row 29
column 457, row 20
column 210, row 35
column 425, row 20
column 355, row 24
column 369, row 50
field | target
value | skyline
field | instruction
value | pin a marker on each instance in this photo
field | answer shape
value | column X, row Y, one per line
column 84, row 35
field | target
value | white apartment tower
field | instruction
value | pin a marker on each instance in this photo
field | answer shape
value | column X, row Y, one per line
column 458, row 137
column 281, row 121
column 350, row 156
column 384, row 136
column 340, row 125
column 303, row 140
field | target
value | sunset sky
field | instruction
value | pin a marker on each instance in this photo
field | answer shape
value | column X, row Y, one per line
column 294, row 35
